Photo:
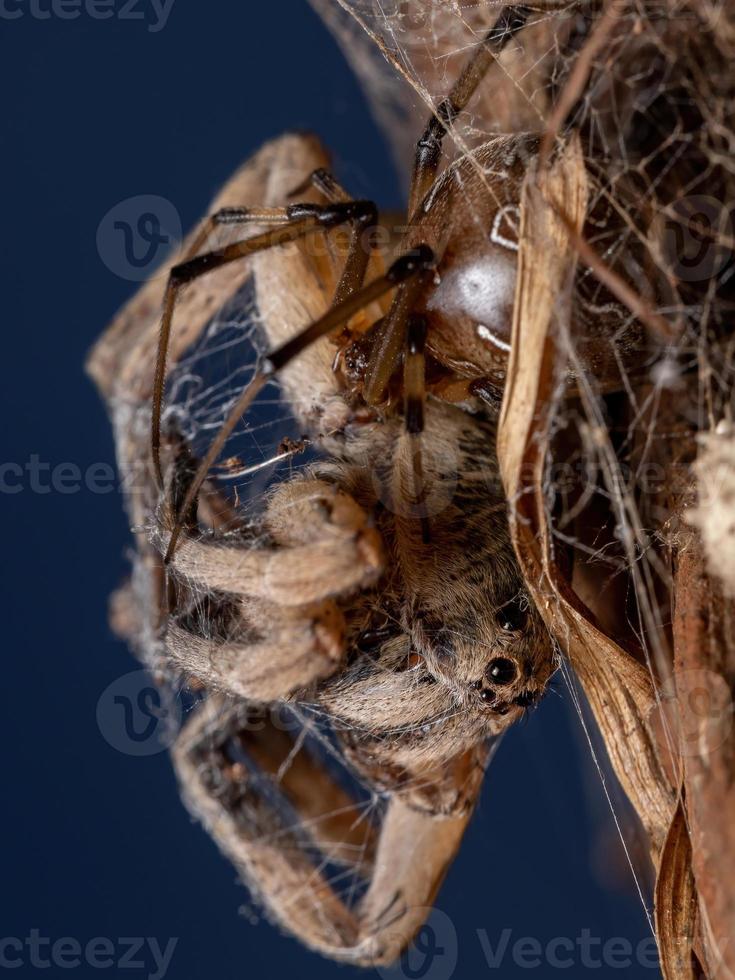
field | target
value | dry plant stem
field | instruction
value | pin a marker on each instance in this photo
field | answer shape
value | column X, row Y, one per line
column 619, row 690
column 297, row 894
column 704, row 663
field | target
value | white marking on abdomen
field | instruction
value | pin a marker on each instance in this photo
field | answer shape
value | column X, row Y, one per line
column 485, row 334
column 482, row 290
column 514, row 225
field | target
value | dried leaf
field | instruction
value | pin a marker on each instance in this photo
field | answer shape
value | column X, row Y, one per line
column 619, row 690
column 676, row 902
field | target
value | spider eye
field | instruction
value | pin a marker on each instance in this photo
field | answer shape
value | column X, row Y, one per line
column 513, row 616
column 487, row 696
column 501, row 671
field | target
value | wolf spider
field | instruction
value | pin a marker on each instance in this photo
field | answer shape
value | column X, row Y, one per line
column 380, row 584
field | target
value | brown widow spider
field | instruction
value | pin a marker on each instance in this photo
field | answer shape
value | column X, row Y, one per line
column 380, row 585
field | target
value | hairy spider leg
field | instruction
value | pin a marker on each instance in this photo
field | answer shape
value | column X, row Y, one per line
column 291, row 223
column 402, row 860
column 414, row 265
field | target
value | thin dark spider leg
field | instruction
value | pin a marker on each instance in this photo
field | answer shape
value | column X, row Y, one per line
column 360, row 246
column 358, row 254
column 414, row 385
column 292, row 222
column 391, row 339
column 429, row 146
column 410, row 266
column 326, row 183
column 234, row 216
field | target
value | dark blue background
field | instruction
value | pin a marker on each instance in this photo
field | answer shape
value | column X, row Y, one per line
column 96, row 841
